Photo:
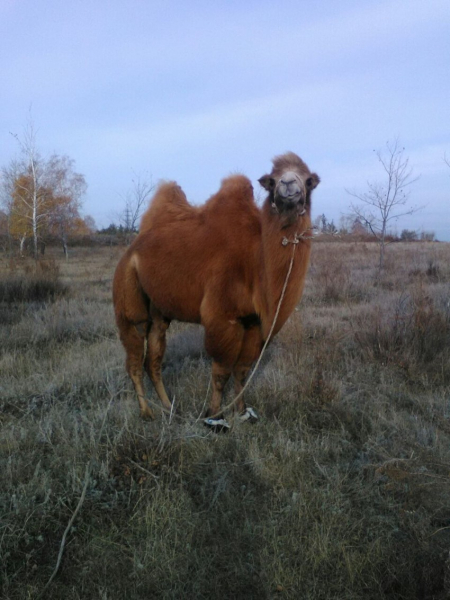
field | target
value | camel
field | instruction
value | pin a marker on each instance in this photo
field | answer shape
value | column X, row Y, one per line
column 223, row 265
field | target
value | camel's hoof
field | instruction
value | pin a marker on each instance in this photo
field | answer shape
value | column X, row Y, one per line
column 217, row 425
column 147, row 415
column 249, row 415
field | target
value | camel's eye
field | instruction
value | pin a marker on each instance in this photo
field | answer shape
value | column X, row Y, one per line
column 309, row 183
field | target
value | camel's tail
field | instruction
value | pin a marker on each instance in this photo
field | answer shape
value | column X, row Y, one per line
column 168, row 204
column 131, row 305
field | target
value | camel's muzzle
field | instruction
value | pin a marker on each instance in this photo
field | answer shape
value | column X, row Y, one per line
column 290, row 193
column 295, row 203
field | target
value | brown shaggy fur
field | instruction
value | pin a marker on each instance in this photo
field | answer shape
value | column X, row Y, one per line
column 223, row 265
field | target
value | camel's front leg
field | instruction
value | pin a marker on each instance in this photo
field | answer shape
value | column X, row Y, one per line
column 220, row 376
column 251, row 349
column 223, row 342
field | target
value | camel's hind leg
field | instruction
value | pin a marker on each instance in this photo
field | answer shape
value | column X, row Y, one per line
column 133, row 340
column 132, row 318
column 156, row 346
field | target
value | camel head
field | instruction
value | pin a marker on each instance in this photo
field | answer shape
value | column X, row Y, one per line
column 290, row 185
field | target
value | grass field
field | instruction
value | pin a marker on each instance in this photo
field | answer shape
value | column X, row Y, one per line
column 340, row 491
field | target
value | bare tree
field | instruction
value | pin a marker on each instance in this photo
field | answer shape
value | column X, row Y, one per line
column 385, row 201
column 135, row 200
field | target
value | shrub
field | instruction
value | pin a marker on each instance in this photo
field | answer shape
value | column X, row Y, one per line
column 411, row 330
column 39, row 283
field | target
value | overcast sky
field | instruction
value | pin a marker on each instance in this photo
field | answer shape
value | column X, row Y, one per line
column 193, row 91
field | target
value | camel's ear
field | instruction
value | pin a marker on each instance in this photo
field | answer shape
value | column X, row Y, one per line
column 267, row 182
column 312, row 181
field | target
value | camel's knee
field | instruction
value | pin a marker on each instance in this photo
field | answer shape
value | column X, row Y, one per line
column 135, row 371
column 134, row 365
column 133, row 341
column 220, row 376
column 240, row 373
column 156, row 347
column 220, row 380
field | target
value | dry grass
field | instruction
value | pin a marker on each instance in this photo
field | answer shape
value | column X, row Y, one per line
column 341, row 491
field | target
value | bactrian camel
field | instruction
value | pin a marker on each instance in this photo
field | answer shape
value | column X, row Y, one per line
column 222, row 264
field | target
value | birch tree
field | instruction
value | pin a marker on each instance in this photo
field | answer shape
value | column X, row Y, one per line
column 42, row 197
column 26, row 178
column 67, row 188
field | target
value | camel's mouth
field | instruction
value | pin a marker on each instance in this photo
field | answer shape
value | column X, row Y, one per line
column 291, row 206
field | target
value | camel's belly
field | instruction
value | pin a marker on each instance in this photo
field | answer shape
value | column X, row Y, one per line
column 180, row 307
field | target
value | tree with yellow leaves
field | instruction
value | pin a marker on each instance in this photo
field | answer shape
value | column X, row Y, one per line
column 64, row 201
column 42, row 197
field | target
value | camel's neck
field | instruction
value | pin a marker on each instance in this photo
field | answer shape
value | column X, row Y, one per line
column 276, row 257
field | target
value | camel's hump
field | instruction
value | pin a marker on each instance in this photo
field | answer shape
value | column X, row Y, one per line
column 237, row 183
column 168, row 203
column 235, row 190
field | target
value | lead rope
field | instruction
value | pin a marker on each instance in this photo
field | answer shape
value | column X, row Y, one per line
column 285, row 241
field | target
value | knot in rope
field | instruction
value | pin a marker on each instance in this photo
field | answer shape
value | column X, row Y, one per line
column 285, row 241
column 297, row 237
